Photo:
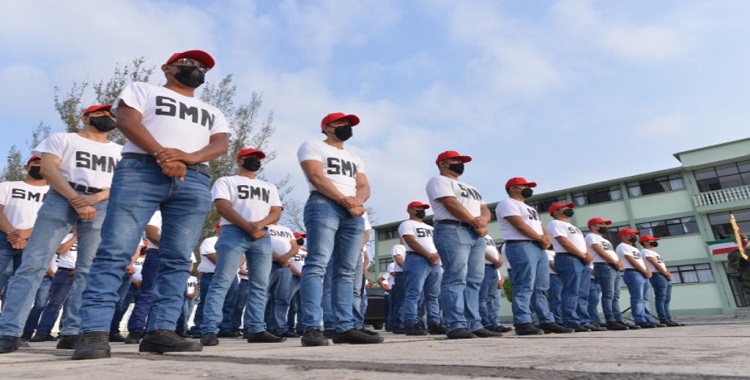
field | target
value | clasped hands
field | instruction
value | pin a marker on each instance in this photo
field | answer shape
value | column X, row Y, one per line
column 174, row 162
column 353, row 205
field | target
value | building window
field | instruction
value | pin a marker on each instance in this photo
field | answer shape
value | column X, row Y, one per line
column 383, row 264
column 720, row 223
column 690, row 274
column 604, row 194
column 669, row 227
column 723, row 177
column 542, row 205
column 656, row 185
column 388, row 233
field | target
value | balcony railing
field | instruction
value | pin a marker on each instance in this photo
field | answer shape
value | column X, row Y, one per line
column 732, row 194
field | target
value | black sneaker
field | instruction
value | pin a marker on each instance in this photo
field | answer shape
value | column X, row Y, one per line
column 484, row 333
column 134, row 337
column 460, row 333
column 671, row 323
column 289, row 334
column 354, row 336
column 90, row 345
column 658, row 324
column 313, row 337
column 209, row 339
column 554, row 328
column 264, row 337
column 612, row 325
column 415, row 330
column 501, row 329
column 68, row 342
column 436, row 329
column 329, row 333
column 528, row 329
column 647, row 325
column 228, row 334
column 369, row 332
column 42, row 338
column 8, row 343
column 595, row 327
column 116, row 337
column 27, row 335
column 630, row 326
column 399, row 330
column 161, row 341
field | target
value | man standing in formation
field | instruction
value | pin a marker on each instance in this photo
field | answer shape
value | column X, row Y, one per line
column 607, row 267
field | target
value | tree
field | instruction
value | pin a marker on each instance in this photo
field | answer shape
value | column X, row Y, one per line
column 13, row 170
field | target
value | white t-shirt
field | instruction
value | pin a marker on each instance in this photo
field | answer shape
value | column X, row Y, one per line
column 649, row 253
column 506, row 263
column 251, row 198
column 340, row 166
column 512, row 207
column 82, row 161
column 68, row 259
column 299, row 259
column 551, row 258
column 490, row 249
column 138, row 265
column 281, row 238
column 421, row 231
column 21, row 202
column 398, row 250
column 572, row 233
column 174, row 120
column 592, row 239
column 156, row 222
column 240, row 275
column 628, row 250
column 207, row 248
column 442, row 186
column 192, row 285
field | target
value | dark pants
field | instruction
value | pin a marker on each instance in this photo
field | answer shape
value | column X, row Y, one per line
column 59, row 290
column 146, row 294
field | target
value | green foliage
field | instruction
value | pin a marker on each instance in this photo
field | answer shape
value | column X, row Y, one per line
column 13, row 170
column 508, row 289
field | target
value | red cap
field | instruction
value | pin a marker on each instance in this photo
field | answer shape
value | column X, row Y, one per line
column 628, row 231
column 198, row 55
column 558, row 206
column 336, row 116
column 217, row 224
column 97, row 107
column 300, row 235
column 519, row 181
column 32, row 158
column 646, row 238
column 448, row 154
column 417, row 204
column 250, row 151
column 593, row 221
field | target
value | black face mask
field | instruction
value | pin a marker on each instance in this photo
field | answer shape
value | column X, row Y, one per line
column 102, row 123
column 568, row 212
column 420, row 214
column 527, row 192
column 251, row 163
column 633, row 240
column 343, row 133
column 190, row 76
column 654, row 244
column 602, row 230
column 36, row 172
column 300, row 241
column 457, row 168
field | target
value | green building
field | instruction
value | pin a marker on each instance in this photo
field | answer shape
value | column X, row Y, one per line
column 684, row 206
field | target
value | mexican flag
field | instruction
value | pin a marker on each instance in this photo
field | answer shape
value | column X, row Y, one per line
column 719, row 247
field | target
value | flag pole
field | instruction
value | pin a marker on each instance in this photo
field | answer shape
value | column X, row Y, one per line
column 737, row 235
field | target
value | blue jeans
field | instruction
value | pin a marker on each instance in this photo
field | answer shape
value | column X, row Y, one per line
column 58, row 293
column 138, row 190
column 55, row 219
column 489, row 297
column 121, row 306
column 595, row 294
column 530, row 281
column 42, row 296
column 583, row 296
column 146, row 294
column 575, row 278
column 422, row 280
column 662, row 296
column 462, row 254
column 240, row 302
column 280, row 288
column 333, row 235
column 609, row 281
column 294, row 308
column 636, row 283
column 187, row 311
column 8, row 255
column 358, row 291
column 326, row 300
column 555, row 296
column 646, row 298
column 233, row 243
column 398, row 293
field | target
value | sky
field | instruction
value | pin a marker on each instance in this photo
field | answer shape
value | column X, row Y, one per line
column 563, row 93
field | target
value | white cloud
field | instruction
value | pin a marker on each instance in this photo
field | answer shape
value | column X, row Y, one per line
column 663, row 126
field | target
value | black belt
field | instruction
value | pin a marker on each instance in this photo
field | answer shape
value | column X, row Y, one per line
column 454, row 222
column 521, row 241
column 631, row 269
column 85, row 189
column 243, row 280
column 613, row 266
column 200, row 168
column 489, row 265
column 65, row 269
column 567, row 254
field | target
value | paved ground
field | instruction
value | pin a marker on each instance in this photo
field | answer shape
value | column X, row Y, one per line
column 707, row 349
